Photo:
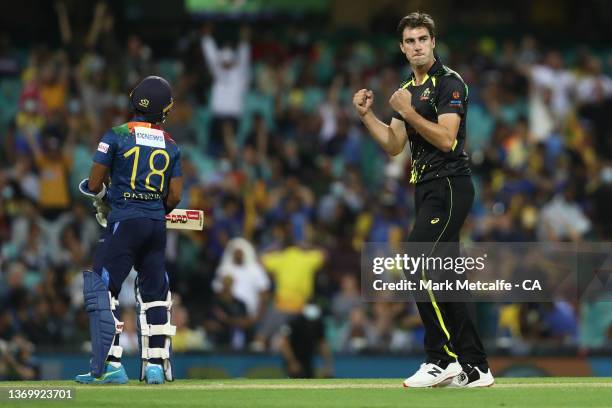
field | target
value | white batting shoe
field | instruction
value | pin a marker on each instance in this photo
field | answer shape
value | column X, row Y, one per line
column 472, row 377
column 431, row 374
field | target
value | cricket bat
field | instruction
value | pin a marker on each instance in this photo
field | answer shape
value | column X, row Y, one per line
column 185, row 219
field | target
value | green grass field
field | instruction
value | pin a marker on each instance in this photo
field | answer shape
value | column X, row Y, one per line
column 511, row 392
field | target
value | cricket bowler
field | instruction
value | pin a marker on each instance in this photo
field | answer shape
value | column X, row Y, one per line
column 143, row 165
column 431, row 110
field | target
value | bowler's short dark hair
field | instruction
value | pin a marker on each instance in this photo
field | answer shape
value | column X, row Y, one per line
column 416, row 20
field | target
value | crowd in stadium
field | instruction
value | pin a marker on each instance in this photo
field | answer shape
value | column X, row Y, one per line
column 291, row 184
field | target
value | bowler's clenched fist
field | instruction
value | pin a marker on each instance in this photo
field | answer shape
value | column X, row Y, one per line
column 363, row 100
column 401, row 101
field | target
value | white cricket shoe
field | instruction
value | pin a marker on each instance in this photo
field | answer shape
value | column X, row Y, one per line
column 430, row 375
column 472, row 378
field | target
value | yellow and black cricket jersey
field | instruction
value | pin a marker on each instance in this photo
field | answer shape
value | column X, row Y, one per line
column 442, row 91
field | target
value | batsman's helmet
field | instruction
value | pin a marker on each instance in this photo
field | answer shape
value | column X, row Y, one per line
column 152, row 98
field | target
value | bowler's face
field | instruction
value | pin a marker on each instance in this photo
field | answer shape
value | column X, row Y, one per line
column 417, row 45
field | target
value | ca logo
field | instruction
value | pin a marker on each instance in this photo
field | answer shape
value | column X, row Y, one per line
column 144, row 103
column 435, row 220
column 425, row 95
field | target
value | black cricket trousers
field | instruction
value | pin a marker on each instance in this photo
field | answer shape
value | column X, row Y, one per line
column 442, row 206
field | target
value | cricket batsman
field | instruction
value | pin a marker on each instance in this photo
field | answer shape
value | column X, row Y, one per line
column 143, row 165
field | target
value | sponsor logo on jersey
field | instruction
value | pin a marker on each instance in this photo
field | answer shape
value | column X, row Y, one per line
column 149, row 137
column 103, row 147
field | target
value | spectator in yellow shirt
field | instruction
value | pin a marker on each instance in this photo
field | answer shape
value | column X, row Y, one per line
column 53, row 163
column 293, row 270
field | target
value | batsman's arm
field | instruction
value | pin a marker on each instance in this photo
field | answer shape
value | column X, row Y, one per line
column 102, row 162
column 97, row 177
column 95, row 189
column 175, row 189
column 175, row 185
